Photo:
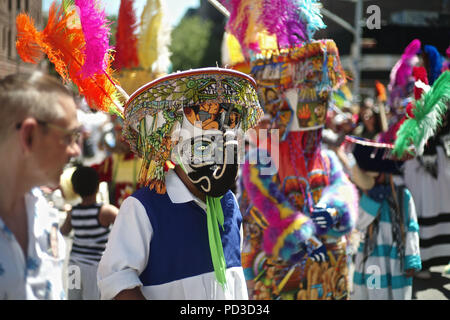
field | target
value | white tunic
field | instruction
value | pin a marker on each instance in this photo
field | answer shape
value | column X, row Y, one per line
column 127, row 255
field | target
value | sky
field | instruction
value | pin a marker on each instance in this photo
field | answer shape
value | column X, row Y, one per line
column 176, row 8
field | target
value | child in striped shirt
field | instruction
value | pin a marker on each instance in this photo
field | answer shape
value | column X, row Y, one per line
column 91, row 223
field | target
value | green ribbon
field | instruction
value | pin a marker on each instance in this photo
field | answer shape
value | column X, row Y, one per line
column 214, row 219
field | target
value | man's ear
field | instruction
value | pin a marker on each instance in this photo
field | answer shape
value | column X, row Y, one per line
column 27, row 133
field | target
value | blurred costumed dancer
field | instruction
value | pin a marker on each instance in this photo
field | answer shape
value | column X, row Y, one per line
column 299, row 203
column 428, row 174
column 388, row 254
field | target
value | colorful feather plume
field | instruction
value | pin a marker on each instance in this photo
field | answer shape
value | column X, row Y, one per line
column 63, row 42
column 126, row 40
column 96, row 34
column 311, row 16
column 433, row 61
column 281, row 18
column 244, row 21
column 428, row 113
column 400, row 75
column 154, row 38
column 446, row 63
column 381, row 91
column 403, row 68
column 419, row 73
column 292, row 22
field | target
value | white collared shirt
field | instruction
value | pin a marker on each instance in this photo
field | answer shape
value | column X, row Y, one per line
column 127, row 255
column 40, row 275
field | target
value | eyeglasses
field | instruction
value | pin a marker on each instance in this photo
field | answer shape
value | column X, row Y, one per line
column 70, row 136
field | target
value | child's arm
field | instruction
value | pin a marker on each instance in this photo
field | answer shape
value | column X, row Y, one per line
column 67, row 225
column 107, row 215
column 413, row 262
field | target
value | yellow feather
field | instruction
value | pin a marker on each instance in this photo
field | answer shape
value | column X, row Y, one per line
column 154, row 39
column 148, row 39
column 234, row 50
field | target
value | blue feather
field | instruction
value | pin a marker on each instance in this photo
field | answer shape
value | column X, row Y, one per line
column 435, row 62
column 310, row 14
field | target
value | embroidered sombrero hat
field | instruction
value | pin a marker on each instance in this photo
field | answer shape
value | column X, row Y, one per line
column 215, row 96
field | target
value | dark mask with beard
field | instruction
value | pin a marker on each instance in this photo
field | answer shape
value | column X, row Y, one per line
column 211, row 162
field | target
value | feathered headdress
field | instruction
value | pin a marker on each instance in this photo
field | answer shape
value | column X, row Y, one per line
column 154, row 38
column 428, row 112
column 232, row 56
column 400, row 75
column 381, row 91
column 433, row 61
column 390, row 135
column 420, row 74
column 96, row 32
column 446, row 63
column 64, row 42
column 126, row 40
column 292, row 22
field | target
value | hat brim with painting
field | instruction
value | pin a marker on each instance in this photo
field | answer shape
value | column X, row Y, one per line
column 213, row 98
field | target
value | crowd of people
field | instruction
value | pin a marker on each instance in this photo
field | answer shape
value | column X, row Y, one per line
column 227, row 185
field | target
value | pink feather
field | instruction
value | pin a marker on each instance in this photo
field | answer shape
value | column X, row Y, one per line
column 281, row 17
column 96, row 32
column 403, row 68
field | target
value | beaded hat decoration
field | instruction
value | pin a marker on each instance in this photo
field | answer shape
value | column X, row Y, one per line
column 214, row 96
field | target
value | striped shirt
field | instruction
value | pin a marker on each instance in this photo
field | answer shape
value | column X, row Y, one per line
column 90, row 237
column 382, row 275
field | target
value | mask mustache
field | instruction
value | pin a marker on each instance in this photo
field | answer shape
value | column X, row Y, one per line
column 215, row 180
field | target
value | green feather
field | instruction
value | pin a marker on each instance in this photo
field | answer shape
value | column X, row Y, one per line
column 428, row 113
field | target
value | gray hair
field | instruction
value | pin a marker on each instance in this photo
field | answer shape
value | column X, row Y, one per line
column 29, row 95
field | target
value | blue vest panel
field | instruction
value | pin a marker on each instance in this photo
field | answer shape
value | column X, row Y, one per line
column 179, row 247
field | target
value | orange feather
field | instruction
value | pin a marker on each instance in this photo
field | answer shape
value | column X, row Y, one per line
column 62, row 42
column 381, row 91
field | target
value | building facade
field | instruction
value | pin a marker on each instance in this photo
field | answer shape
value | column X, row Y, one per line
column 10, row 62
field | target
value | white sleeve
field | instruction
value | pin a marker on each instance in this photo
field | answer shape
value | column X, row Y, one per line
column 127, row 250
